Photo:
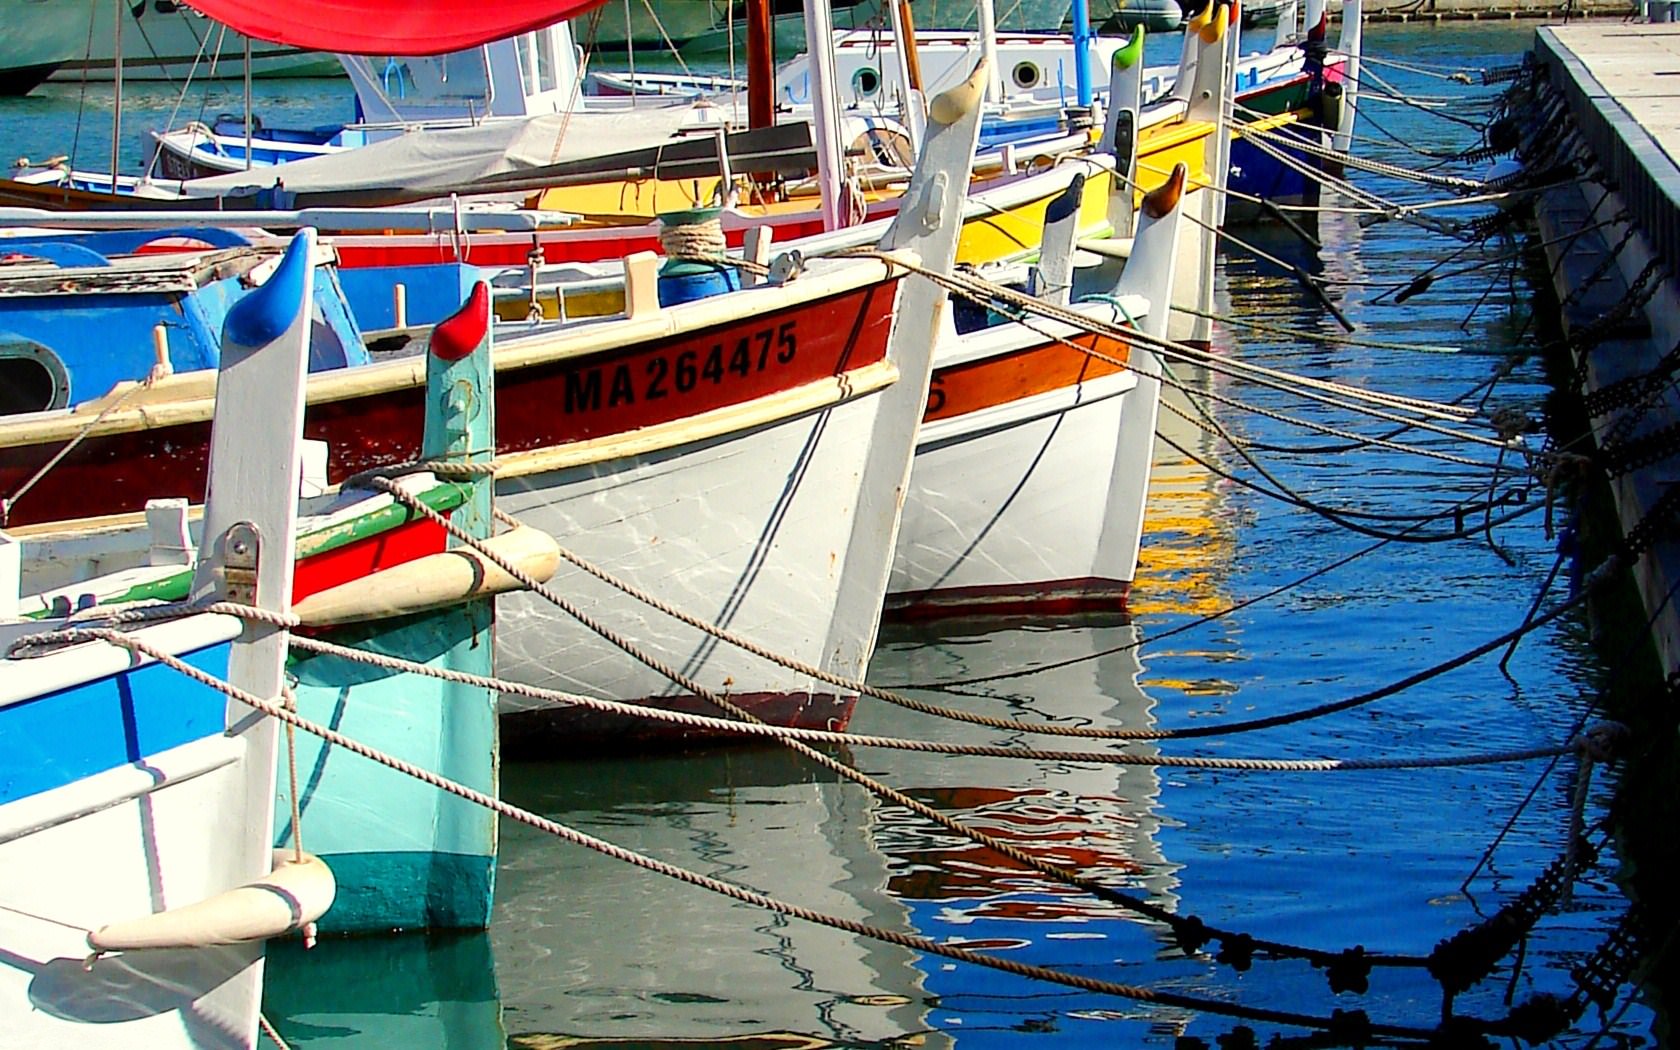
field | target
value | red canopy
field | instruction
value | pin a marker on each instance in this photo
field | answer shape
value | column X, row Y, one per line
column 388, row 27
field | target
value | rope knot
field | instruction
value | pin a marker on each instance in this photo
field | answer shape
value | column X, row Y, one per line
column 1509, row 422
column 1350, row 971
column 1539, row 1019
column 1236, row 950
column 1602, row 741
column 1190, row 934
column 1350, row 1027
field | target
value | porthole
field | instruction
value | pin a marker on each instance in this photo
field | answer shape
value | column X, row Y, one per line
column 1026, row 75
column 866, row 82
column 32, row 378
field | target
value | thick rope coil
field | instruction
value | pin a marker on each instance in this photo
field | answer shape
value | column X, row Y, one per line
column 701, row 241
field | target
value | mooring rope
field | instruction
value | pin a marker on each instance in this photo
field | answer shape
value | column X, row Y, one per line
column 851, row 739
column 1356, row 440
column 1460, row 74
column 1272, row 138
column 971, row 286
column 565, row 832
column 269, row 1030
column 1337, row 515
column 1347, row 969
column 1590, row 583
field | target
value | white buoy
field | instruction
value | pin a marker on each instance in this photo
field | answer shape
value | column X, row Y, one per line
column 286, row 900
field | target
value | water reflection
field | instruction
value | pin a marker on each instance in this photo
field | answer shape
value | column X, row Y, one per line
column 608, row 954
column 1101, row 820
column 420, row 991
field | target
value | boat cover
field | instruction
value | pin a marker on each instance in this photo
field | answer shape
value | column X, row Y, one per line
column 441, row 160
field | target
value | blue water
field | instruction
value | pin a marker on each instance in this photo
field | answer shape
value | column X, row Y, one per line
column 586, row 951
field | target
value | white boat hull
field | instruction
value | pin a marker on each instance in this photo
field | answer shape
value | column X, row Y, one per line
column 1009, row 507
column 82, row 873
column 750, row 532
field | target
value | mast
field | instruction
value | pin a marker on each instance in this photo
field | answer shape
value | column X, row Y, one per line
column 120, row 9
column 825, row 109
column 247, row 103
column 988, row 51
column 914, row 109
column 761, row 66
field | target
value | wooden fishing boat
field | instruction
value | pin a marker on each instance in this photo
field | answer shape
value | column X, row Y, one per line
column 1032, row 465
column 1003, row 213
column 370, row 574
column 82, row 313
column 135, row 803
column 740, row 456
column 504, row 82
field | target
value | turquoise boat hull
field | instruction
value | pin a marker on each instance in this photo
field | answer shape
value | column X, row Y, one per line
column 406, row 855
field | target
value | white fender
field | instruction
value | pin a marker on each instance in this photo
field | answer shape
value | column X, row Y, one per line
column 293, row 895
column 435, row 580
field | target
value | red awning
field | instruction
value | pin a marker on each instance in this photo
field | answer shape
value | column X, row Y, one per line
column 388, row 27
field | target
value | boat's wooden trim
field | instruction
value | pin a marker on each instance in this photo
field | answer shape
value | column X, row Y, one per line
column 811, row 397
column 190, row 397
column 999, row 379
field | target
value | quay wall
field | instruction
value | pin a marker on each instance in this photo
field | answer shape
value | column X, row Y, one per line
column 1492, row 10
column 1611, row 241
column 1612, row 237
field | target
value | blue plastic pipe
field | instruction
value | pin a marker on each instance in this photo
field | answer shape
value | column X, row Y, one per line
column 1081, row 51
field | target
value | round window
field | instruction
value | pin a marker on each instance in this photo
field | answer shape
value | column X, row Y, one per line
column 865, row 82
column 32, row 378
column 1026, row 75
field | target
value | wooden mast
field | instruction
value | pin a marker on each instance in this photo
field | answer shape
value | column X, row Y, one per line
column 761, row 66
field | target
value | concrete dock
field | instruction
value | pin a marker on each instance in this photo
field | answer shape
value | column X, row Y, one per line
column 1607, row 100
column 1493, row 10
column 1616, row 283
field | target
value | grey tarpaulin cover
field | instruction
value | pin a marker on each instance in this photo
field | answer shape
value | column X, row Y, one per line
column 421, row 160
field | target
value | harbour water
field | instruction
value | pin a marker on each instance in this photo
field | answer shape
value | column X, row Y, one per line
column 586, row 951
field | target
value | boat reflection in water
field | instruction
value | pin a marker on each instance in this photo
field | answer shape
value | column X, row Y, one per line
column 597, row 953
column 1099, row 819
column 417, row 991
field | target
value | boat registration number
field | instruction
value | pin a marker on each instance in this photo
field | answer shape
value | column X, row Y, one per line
column 680, row 372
